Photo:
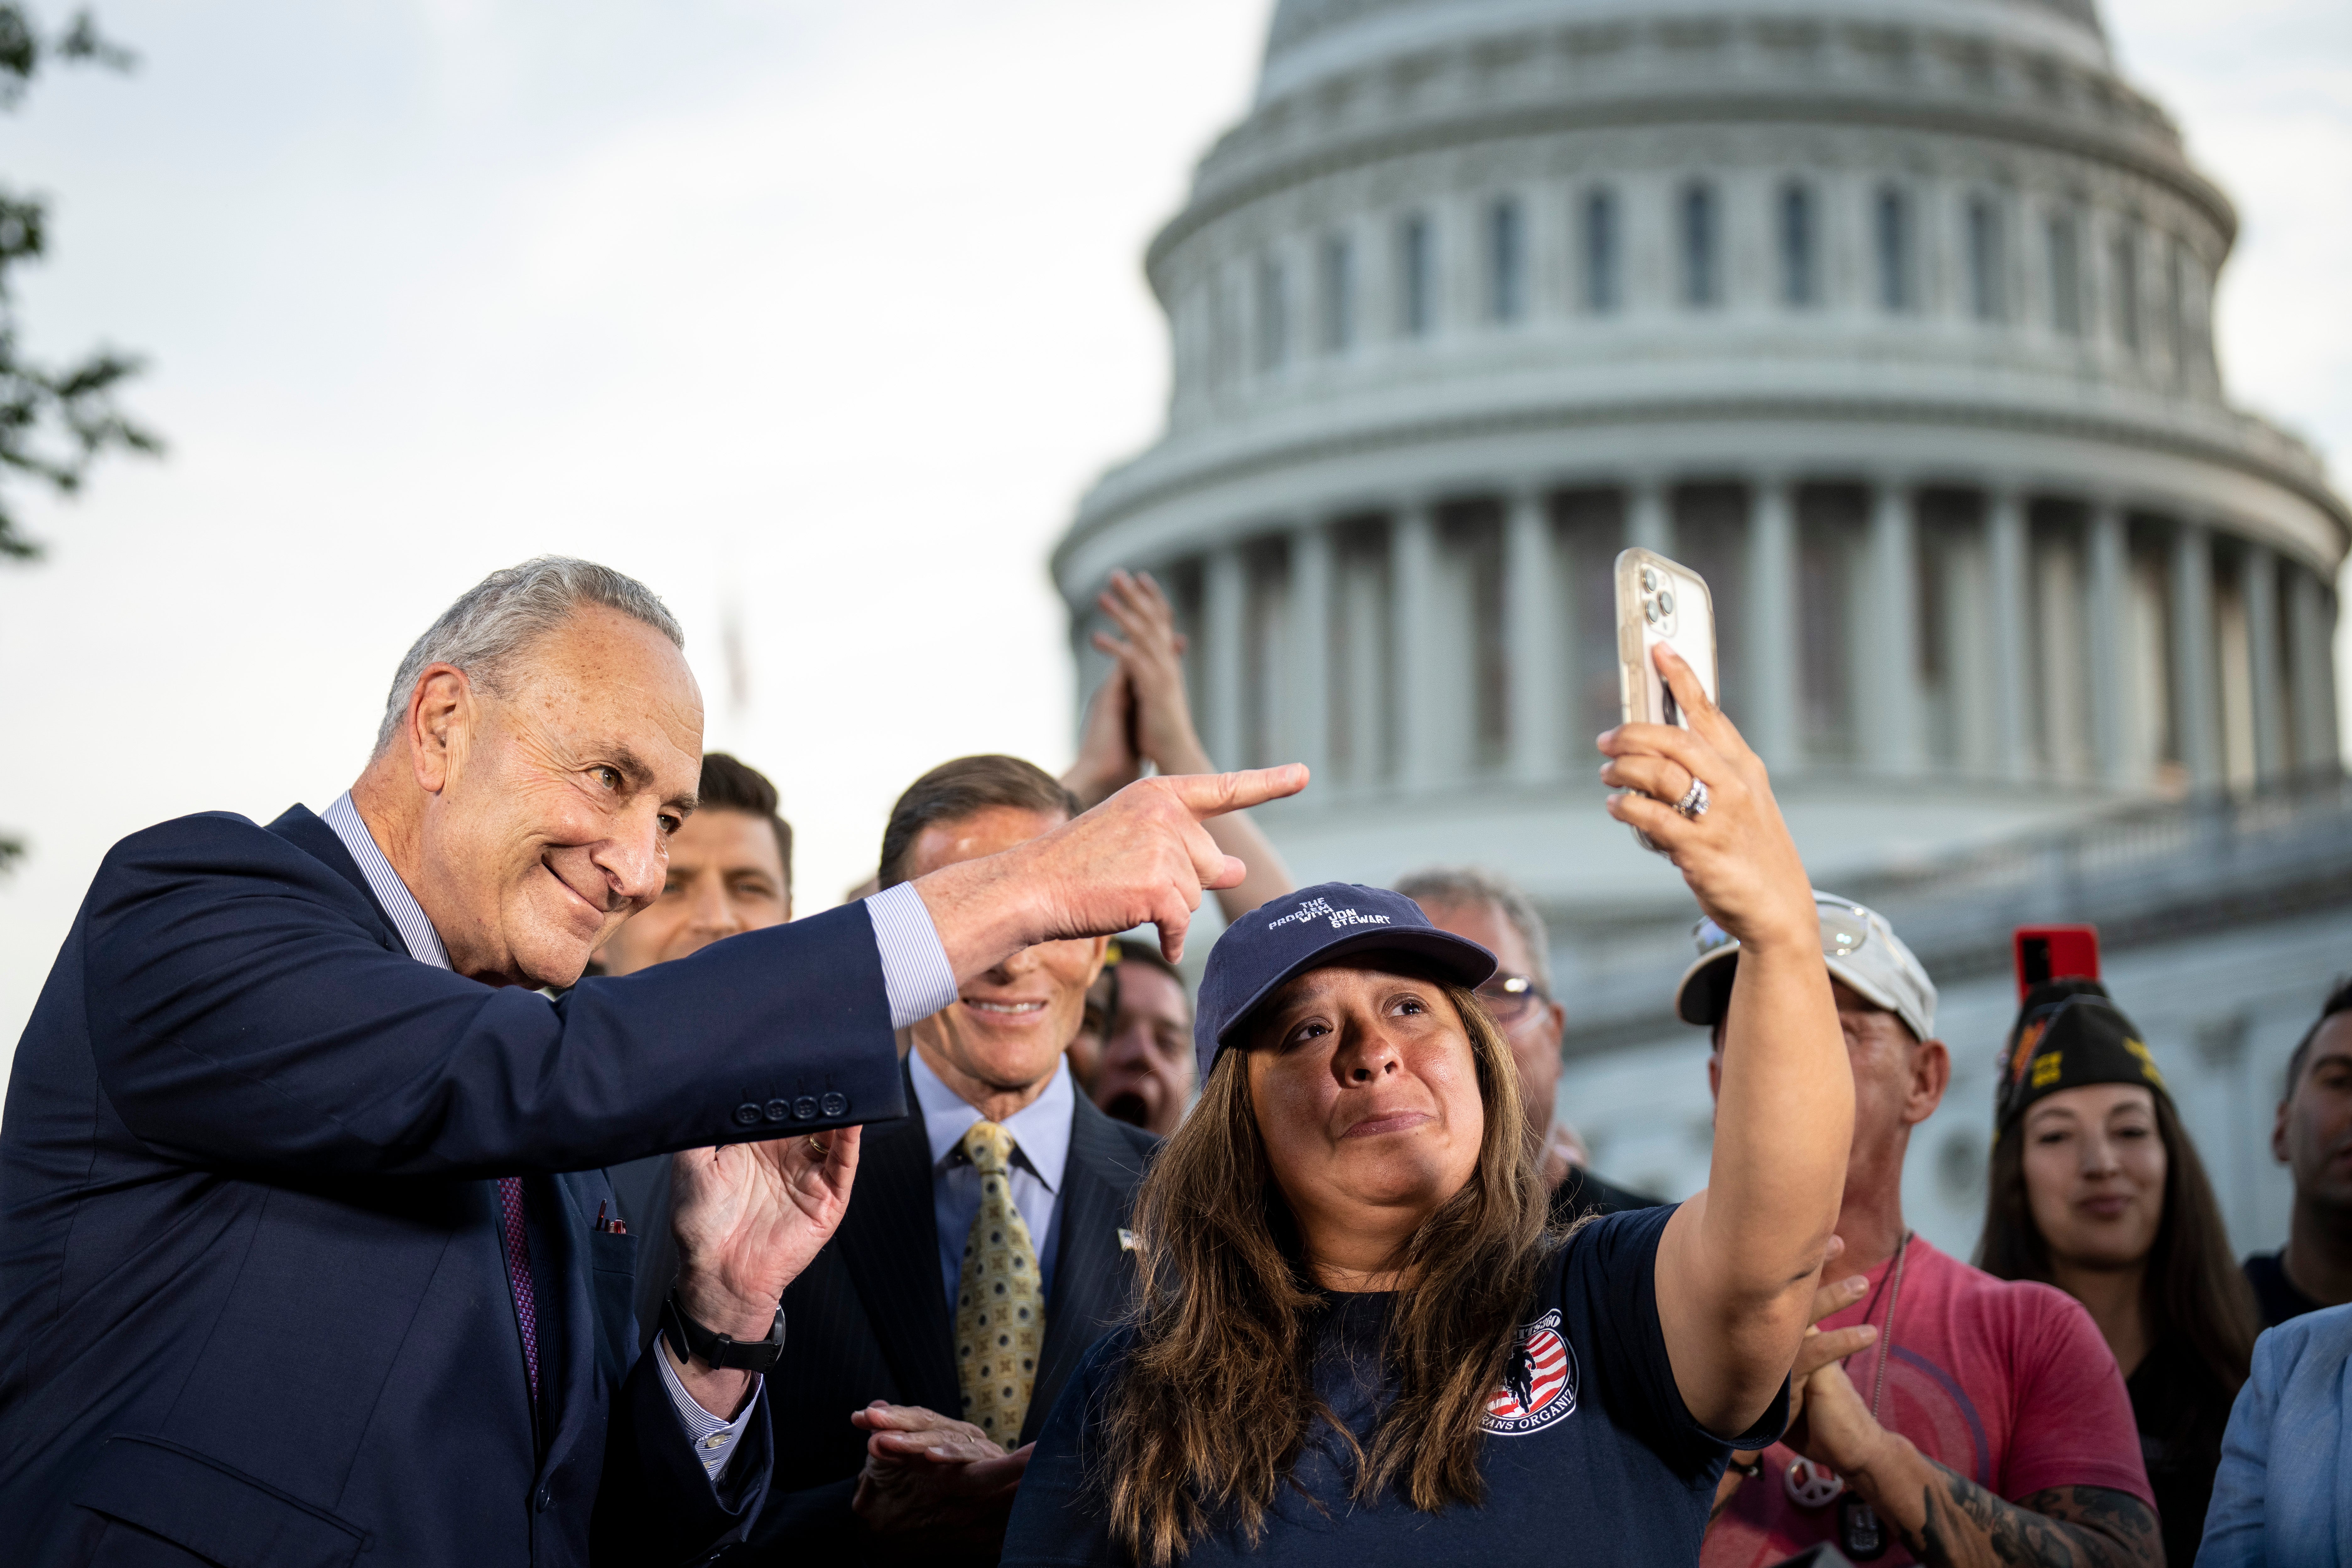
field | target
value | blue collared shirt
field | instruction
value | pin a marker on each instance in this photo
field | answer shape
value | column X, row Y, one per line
column 1041, row 1154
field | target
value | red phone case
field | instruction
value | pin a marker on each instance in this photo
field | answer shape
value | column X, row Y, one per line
column 2054, row 953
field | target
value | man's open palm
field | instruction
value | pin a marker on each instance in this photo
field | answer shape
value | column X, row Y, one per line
column 750, row 1216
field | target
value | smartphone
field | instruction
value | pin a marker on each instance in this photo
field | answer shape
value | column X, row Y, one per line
column 1660, row 601
column 2054, row 953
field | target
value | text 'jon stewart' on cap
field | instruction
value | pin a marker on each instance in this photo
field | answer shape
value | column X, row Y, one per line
column 1285, row 937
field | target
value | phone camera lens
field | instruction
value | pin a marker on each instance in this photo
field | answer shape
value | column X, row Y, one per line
column 1665, row 604
column 1649, row 579
column 1652, row 611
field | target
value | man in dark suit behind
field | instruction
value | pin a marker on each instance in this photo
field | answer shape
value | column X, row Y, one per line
column 298, row 1261
column 888, row 1317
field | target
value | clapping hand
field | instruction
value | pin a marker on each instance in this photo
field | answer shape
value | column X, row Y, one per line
column 930, row 1473
column 1140, row 713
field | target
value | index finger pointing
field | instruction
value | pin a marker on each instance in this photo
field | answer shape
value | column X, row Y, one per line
column 1214, row 795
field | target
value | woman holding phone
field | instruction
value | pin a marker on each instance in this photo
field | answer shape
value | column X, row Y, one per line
column 1356, row 1342
column 2096, row 1189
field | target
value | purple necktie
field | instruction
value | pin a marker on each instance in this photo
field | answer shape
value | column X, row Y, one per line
column 526, row 1300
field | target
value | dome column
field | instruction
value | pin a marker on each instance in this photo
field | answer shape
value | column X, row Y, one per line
column 1773, row 621
column 2115, row 717
column 1412, row 572
column 1225, row 585
column 1894, row 730
column 1649, row 523
column 2311, row 635
column 1531, row 621
column 2258, row 591
column 1310, row 673
column 2005, row 530
column 2194, row 698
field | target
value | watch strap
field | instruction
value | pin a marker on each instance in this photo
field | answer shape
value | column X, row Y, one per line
column 691, row 1339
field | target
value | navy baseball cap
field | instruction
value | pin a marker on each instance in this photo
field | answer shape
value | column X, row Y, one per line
column 1286, row 937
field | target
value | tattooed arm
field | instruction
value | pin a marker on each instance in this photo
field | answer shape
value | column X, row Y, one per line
column 1960, row 1522
column 1949, row 1521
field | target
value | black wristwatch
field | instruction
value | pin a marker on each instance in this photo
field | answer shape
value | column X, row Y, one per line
column 691, row 1339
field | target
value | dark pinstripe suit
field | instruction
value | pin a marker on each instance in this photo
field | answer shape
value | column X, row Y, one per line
column 868, row 1319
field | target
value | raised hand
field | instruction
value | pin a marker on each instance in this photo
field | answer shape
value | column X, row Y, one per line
column 1151, row 658
column 748, row 1218
column 1107, row 760
column 1738, row 858
column 1140, row 856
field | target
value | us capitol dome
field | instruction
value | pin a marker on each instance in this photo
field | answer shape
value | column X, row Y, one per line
column 1893, row 318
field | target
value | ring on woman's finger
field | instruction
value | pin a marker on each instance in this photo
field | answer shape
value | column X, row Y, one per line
column 820, row 1152
column 1692, row 803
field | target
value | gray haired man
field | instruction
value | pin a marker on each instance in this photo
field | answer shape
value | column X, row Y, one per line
column 310, row 1255
column 1498, row 915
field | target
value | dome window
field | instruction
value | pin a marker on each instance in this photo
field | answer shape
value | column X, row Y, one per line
column 1799, row 281
column 1507, row 263
column 2176, row 308
column 1701, row 286
column 2065, row 277
column 2124, row 260
column 1417, row 280
column 1892, row 231
column 1273, row 315
column 1600, row 248
column 1339, row 294
column 1984, row 259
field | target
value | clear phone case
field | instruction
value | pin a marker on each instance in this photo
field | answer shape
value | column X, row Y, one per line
column 1660, row 601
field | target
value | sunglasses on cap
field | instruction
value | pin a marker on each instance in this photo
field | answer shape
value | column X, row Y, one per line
column 1845, row 929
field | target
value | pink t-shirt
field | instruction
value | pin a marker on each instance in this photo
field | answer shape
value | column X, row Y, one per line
column 2008, row 1384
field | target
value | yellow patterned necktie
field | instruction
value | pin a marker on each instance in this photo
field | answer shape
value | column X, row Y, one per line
column 999, row 1320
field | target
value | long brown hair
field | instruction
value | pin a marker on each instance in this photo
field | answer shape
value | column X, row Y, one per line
column 2195, row 1288
column 1215, row 1399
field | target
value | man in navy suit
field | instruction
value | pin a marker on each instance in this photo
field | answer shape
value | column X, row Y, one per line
column 299, row 1261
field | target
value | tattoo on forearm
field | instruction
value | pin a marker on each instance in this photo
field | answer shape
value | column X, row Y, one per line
column 2065, row 1527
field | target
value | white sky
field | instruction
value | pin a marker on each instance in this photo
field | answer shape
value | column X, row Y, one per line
column 820, row 315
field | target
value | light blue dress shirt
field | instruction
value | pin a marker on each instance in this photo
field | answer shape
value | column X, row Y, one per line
column 1041, row 1154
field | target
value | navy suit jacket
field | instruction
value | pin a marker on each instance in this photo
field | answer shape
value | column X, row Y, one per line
column 869, row 1320
column 253, row 1304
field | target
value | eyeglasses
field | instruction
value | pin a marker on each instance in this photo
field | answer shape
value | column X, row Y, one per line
column 1845, row 929
column 1508, row 998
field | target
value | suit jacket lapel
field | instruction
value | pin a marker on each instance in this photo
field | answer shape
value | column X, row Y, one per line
column 306, row 831
column 1092, row 1274
column 889, row 1243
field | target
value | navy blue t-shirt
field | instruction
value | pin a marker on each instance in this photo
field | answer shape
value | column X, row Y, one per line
column 1590, row 1456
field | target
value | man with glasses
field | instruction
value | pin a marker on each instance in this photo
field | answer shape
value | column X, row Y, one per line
column 1941, row 1414
column 1501, row 918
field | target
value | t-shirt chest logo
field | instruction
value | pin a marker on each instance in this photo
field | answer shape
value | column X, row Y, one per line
column 1538, row 1382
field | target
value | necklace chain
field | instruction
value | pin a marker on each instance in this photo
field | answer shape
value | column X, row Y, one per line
column 1886, row 1335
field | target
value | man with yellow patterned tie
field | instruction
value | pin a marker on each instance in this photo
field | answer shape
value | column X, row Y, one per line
column 984, row 1250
